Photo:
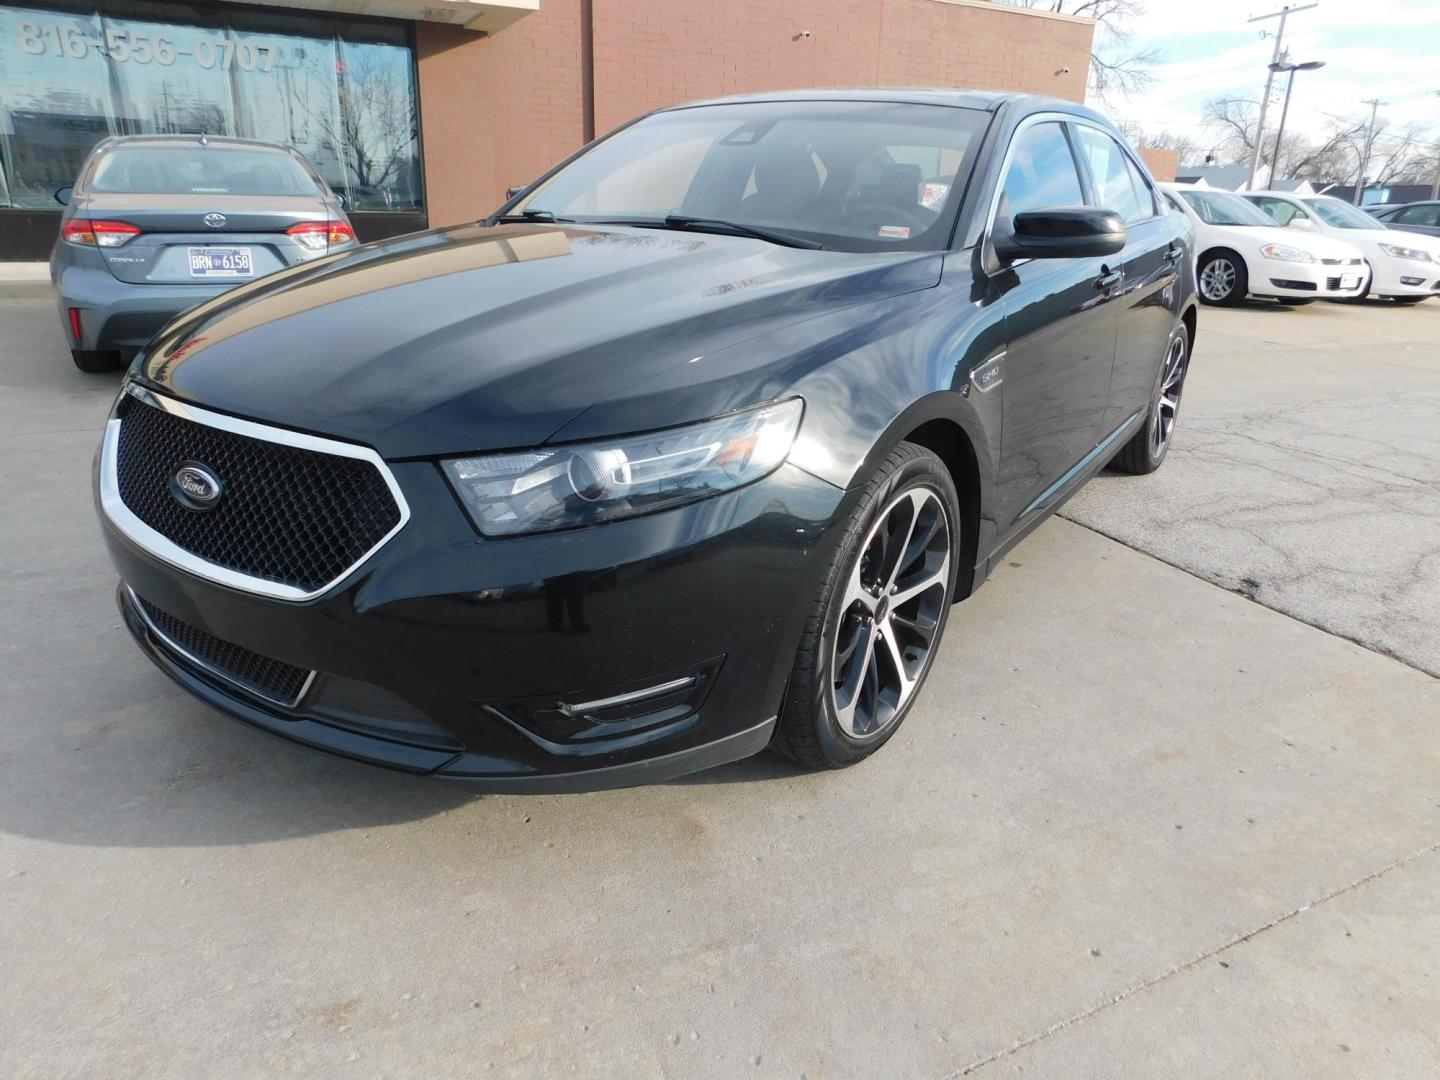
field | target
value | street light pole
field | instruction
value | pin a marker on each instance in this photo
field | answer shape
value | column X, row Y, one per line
column 1435, row 187
column 1309, row 65
column 1287, row 10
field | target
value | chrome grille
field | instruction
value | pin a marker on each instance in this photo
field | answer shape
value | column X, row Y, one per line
column 291, row 519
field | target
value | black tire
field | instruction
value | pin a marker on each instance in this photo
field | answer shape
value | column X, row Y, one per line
column 1142, row 455
column 808, row 730
column 1295, row 301
column 1216, row 259
column 93, row 362
column 1409, row 299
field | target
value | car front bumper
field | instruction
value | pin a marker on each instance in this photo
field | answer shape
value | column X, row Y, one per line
column 528, row 663
column 1315, row 281
column 1406, row 277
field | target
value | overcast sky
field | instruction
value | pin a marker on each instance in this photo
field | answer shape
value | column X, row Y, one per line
column 1388, row 49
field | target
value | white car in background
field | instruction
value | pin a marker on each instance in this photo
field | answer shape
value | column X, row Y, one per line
column 1239, row 251
column 1405, row 266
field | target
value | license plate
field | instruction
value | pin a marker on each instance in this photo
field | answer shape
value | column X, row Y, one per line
column 221, row 262
column 1349, row 281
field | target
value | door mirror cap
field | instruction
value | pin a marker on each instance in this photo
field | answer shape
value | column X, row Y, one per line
column 1062, row 232
column 511, row 192
column 62, row 195
column 340, row 196
column 1301, row 222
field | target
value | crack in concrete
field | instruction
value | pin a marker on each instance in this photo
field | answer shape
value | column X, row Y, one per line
column 1147, row 984
column 1239, row 589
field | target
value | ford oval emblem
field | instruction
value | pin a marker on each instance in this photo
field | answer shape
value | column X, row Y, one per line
column 215, row 220
column 195, row 487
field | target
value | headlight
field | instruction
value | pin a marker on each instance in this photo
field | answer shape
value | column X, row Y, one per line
column 1286, row 253
column 1406, row 253
column 563, row 487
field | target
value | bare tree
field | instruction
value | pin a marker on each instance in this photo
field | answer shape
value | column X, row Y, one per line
column 1232, row 120
column 1117, row 68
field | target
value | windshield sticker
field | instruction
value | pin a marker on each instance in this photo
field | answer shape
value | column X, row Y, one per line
column 895, row 232
column 932, row 195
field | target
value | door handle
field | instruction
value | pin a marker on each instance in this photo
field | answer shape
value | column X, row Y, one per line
column 1109, row 280
column 1172, row 253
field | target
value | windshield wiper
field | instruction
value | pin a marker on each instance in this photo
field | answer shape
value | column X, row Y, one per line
column 686, row 223
column 532, row 215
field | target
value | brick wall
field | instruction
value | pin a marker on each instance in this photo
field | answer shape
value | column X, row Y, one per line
column 1162, row 163
column 497, row 111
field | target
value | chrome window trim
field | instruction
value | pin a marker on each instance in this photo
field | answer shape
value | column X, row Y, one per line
column 165, row 549
column 210, row 669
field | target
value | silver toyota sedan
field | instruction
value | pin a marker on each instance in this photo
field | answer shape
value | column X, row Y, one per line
column 156, row 224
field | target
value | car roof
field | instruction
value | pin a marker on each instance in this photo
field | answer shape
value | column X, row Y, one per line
column 212, row 141
column 956, row 98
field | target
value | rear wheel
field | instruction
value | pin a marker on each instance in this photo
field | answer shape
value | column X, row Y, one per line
column 94, row 361
column 1223, row 278
column 874, row 629
column 1146, row 450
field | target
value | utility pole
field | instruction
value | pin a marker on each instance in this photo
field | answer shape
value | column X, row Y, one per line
column 1435, row 187
column 1374, row 104
column 1282, row 14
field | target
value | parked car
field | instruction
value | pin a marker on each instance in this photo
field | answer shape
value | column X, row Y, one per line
column 686, row 451
column 158, row 223
column 1420, row 217
column 1403, row 266
column 1241, row 252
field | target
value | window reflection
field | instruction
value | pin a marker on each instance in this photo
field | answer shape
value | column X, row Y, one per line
column 346, row 99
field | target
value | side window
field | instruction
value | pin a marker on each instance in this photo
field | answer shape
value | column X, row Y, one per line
column 1283, row 212
column 1173, row 205
column 1418, row 215
column 1143, row 191
column 1041, row 174
column 1111, row 171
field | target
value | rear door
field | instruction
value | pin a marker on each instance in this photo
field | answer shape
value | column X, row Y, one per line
column 203, row 239
column 1060, row 330
column 1149, row 300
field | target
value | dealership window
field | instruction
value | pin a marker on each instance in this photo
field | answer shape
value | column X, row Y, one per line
column 343, row 95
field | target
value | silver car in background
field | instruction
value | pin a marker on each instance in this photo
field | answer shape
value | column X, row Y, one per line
column 156, row 224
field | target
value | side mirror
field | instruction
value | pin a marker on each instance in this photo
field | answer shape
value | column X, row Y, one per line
column 1064, row 232
column 1299, row 222
column 339, row 197
column 511, row 192
column 62, row 195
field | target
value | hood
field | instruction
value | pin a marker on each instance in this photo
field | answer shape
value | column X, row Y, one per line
column 474, row 338
column 1320, row 246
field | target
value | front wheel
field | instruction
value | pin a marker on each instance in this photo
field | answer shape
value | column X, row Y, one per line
column 1295, row 301
column 1146, row 449
column 1223, row 279
column 1409, row 299
column 873, row 631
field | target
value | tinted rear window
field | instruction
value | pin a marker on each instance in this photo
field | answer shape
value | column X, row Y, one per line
column 200, row 170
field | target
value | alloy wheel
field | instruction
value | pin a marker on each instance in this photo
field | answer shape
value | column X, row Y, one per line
column 1167, row 402
column 889, row 625
column 1217, row 280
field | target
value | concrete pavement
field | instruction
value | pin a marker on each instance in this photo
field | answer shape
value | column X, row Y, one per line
column 1140, row 825
column 1305, row 471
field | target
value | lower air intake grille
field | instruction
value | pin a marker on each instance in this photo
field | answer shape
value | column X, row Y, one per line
column 273, row 680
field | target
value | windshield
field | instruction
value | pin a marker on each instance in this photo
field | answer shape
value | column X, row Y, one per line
column 1222, row 208
column 851, row 175
column 200, row 170
column 1342, row 215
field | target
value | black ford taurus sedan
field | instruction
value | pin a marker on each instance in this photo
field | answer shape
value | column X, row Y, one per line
column 685, row 452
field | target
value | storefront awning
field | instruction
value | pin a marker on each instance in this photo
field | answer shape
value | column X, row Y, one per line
column 483, row 16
